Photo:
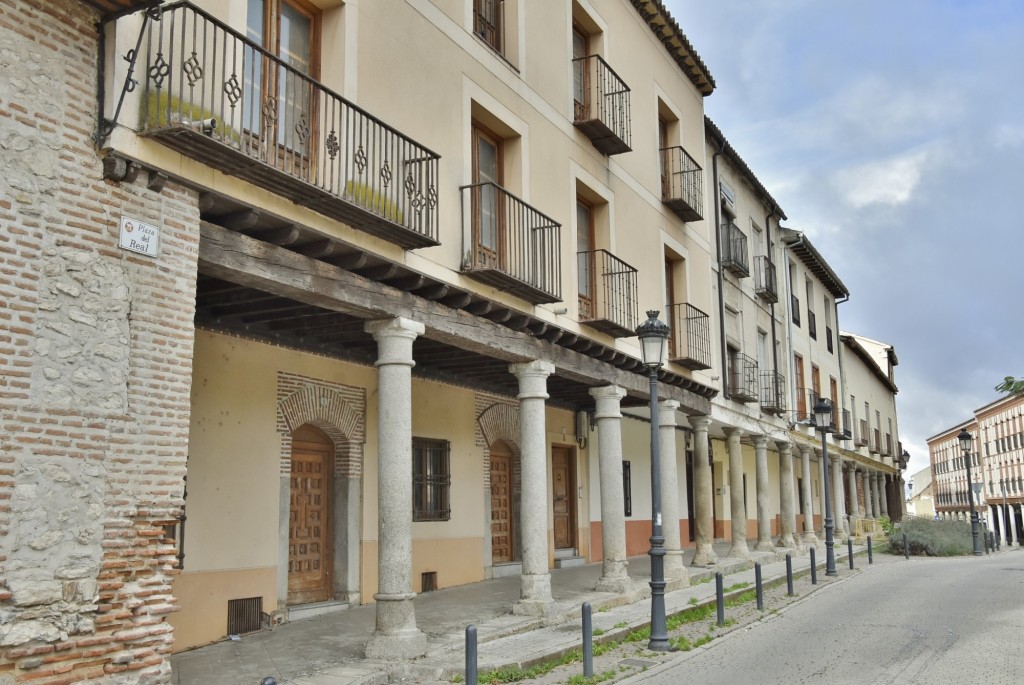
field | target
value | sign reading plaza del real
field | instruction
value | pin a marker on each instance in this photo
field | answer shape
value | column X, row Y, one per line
column 140, row 237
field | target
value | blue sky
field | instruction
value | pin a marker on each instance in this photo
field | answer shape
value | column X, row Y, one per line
column 892, row 132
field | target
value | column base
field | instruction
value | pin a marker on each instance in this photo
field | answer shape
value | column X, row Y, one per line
column 788, row 542
column 764, row 546
column 675, row 569
column 704, row 556
column 396, row 635
column 534, row 590
column 739, row 550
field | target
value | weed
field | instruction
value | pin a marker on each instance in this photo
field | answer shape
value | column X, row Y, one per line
column 597, row 632
column 621, row 624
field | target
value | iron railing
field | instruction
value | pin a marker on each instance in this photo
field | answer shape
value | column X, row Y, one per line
column 828, row 339
column 601, row 105
column 794, row 304
column 876, row 441
column 690, row 337
column 682, row 184
column 765, row 283
column 846, row 431
column 607, row 293
column 511, row 245
column 773, row 392
column 812, row 325
column 862, row 434
column 887, row 446
column 743, row 378
column 734, row 250
column 806, row 399
column 215, row 96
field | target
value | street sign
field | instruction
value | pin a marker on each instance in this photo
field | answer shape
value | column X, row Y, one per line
column 140, row 237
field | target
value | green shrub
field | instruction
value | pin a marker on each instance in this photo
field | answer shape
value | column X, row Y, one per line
column 887, row 525
column 926, row 537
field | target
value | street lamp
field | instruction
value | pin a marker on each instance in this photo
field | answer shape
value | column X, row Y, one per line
column 965, row 446
column 822, row 422
column 653, row 335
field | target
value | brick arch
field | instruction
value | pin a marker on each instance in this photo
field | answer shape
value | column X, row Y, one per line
column 500, row 421
column 338, row 416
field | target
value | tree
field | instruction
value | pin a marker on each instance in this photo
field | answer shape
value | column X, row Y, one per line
column 1011, row 386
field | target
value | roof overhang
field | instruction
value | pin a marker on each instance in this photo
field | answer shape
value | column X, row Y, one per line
column 718, row 139
column 800, row 245
column 675, row 41
column 858, row 349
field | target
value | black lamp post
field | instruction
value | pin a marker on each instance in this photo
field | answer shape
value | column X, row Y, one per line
column 653, row 335
column 966, row 442
column 822, row 423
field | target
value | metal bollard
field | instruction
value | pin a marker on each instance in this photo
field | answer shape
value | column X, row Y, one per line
column 906, row 547
column 987, row 542
column 849, row 551
column 720, row 598
column 471, row 655
column 814, row 569
column 757, row 584
column 871, row 557
column 588, row 642
column 789, row 574
column 269, row 680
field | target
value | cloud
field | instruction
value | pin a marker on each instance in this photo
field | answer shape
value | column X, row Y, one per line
column 1008, row 136
column 889, row 181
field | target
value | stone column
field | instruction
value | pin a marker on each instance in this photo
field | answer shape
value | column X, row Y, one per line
column 805, row 487
column 838, row 496
column 1012, row 525
column 764, row 521
column 851, row 477
column 1001, row 522
column 535, row 583
column 737, row 507
column 821, row 492
column 883, row 482
column 788, row 513
column 396, row 635
column 875, row 496
column 674, row 566
column 866, row 486
column 613, row 516
column 704, row 533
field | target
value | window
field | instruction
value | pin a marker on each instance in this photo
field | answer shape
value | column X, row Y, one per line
column 586, row 275
column 488, row 221
column 431, row 480
column 801, row 389
column 627, row 488
column 289, row 29
column 487, row 23
column 580, row 50
column 816, row 382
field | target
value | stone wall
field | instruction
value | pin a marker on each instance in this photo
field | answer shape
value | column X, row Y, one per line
column 95, row 372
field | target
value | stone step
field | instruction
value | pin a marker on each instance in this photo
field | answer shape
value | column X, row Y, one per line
column 302, row 611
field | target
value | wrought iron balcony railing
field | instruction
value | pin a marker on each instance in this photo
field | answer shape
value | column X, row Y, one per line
column 215, row 96
column 734, row 250
column 805, row 400
column 845, row 431
column 773, row 392
column 511, row 245
column 690, row 337
column 876, row 442
column 828, row 339
column 743, row 378
column 607, row 293
column 601, row 105
column 812, row 325
column 887, row 446
column 862, row 434
column 794, row 304
column 682, row 184
column 765, row 283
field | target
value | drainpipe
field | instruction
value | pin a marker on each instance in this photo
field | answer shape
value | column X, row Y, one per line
column 721, row 280
column 793, row 390
column 839, row 354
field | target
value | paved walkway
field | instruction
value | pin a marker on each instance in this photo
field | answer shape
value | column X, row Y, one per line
column 328, row 649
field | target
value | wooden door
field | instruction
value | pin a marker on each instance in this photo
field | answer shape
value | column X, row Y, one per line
column 488, row 215
column 586, row 276
column 564, row 500
column 309, row 522
column 801, row 390
column 501, row 504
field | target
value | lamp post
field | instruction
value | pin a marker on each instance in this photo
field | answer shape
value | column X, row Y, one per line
column 653, row 335
column 822, row 422
column 966, row 441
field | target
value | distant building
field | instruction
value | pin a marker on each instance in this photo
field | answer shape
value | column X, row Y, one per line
column 919, row 500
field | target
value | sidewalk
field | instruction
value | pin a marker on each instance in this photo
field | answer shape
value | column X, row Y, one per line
column 328, row 649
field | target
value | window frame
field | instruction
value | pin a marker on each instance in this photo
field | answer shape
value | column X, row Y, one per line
column 431, row 487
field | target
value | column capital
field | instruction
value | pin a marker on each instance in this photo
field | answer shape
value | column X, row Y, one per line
column 784, row 446
column 532, row 378
column 607, row 398
column 732, row 432
column 667, row 413
column 700, row 422
column 760, row 441
column 394, row 339
column 804, row 449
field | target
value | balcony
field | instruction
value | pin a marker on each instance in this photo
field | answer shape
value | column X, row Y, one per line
column 765, row 283
column 214, row 96
column 690, row 338
column 887, row 446
column 773, row 392
column 812, row 325
column 845, row 430
column 734, row 250
column 607, row 293
column 601, row 105
column 828, row 339
column 862, row 434
column 511, row 245
column 876, row 442
column 682, row 184
column 794, row 304
column 743, row 379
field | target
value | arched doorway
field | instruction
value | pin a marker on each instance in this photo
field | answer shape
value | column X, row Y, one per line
column 502, row 504
column 310, row 530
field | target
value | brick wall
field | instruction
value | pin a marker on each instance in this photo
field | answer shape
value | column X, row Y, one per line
column 95, row 372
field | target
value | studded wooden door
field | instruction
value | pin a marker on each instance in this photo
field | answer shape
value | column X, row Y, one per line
column 501, row 504
column 563, row 491
column 309, row 524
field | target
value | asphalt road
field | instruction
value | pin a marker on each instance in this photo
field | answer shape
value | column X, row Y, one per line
column 957, row 620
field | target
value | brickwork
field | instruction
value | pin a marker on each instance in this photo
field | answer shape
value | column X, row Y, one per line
column 95, row 374
column 338, row 410
column 497, row 418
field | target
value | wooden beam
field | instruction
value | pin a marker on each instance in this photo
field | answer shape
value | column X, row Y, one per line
column 433, row 292
column 351, row 261
column 240, row 259
column 321, row 249
column 286, row 235
column 458, row 300
column 239, row 221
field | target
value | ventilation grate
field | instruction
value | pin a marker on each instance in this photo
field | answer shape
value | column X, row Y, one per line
column 244, row 615
column 428, row 581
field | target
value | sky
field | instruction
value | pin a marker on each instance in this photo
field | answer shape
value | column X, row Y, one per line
column 892, row 133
